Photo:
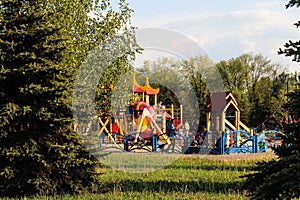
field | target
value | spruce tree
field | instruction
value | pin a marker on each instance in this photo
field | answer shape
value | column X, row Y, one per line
column 291, row 142
column 42, row 43
column 279, row 179
column 39, row 152
column 292, row 48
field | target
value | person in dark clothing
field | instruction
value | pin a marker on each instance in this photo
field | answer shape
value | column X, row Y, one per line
column 170, row 129
column 203, row 135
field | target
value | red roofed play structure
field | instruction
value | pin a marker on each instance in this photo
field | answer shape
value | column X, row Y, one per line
column 219, row 106
column 139, row 127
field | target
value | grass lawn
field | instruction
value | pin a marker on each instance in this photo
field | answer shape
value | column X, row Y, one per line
column 189, row 177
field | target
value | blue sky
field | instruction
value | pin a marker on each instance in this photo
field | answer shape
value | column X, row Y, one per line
column 224, row 28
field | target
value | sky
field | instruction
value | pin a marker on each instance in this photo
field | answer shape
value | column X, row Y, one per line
column 225, row 29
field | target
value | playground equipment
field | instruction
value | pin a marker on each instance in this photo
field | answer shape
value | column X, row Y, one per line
column 145, row 90
column 140, row 128
column 230, row 134
column 239, row 141
column 223, row 113
column 223, row 119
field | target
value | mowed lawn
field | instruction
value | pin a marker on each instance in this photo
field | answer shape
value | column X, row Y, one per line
column 189, row 177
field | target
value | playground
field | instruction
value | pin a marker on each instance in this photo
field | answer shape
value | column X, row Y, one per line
column 143, row 128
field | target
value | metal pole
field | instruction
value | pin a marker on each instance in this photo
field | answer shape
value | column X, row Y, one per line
column 154, row 143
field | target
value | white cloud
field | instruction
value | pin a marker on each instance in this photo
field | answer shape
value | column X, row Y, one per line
column 227, row 34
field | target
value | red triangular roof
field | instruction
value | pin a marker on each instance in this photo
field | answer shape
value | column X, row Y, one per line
column 218, row 101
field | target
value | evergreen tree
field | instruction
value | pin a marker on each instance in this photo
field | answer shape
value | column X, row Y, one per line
column 279, row 179
column 291, row 142
column 40, row 49
column 39, row 151
column 292, row 49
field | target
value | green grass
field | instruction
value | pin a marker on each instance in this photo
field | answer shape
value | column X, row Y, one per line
column 186, row 178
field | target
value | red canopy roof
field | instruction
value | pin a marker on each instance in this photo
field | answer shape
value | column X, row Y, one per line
column 138, row 89
column 146, row 88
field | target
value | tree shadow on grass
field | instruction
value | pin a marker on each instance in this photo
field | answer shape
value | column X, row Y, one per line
column 169, row 186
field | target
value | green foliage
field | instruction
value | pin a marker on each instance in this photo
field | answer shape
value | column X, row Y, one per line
column 290, row 144
column 194, row 71
column 279, row 179
column 293, row 104
column 109, row 82
column 176, row 87
column 258, row 86
column 292, row 3
column 189, row 82
column 233, row 74
column 42, row 44
column 292, row 48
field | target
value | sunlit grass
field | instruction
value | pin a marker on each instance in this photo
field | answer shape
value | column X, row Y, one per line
column 189, row 177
